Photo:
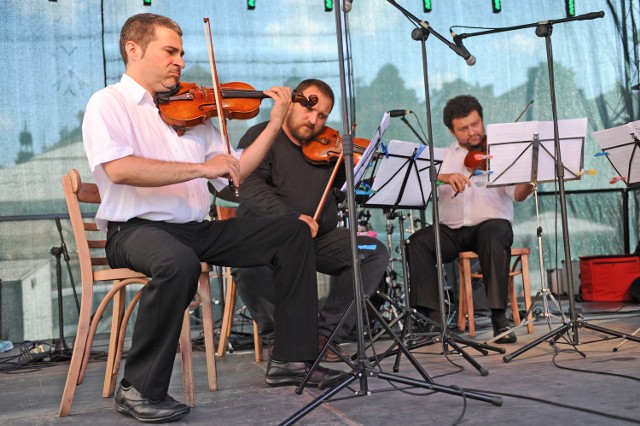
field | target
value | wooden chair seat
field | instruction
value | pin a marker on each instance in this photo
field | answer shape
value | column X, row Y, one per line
column 465, row 300
column 94, row 269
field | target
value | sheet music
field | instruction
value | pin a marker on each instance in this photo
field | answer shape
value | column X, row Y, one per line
column 623, row 150
column 360, row 168
column 402, row 182
column 510, row 147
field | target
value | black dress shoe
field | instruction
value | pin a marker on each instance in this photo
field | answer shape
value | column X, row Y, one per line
column 131, row 402
column 500, row 325
column 281, row 373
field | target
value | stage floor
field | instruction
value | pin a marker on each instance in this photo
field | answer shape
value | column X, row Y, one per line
column 536, row 387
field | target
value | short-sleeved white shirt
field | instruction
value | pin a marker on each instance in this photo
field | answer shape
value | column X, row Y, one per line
column 476, row 203
column 121, row 120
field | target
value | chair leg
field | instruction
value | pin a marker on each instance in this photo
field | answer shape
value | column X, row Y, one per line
column 526, row 289
column 462, row 298
column 514, row 300
column 123, row 333
column 469, row 294
column 227, row 316
column 257, row 343
column 187, row 365
column 79, row 345
column 108, row 386
column 207, row 324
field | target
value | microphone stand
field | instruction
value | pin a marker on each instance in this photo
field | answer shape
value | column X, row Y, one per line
column 61, row 351
column 421, row 33
column 362, row 369
column 569, row 329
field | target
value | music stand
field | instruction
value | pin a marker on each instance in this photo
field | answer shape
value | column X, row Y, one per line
column 362, row 371
column 620, row 145
column 525, row 153
column 364, row 164
column 401, row 177
column 400, row 183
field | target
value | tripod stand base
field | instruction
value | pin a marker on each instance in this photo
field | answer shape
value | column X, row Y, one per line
column 61, row 352
column 566, row 328
column 364, row 373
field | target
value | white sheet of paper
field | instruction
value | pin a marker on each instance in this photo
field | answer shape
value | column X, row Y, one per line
column 398, row 169
column 360, row 168
column 510, row 147
column 622, row 150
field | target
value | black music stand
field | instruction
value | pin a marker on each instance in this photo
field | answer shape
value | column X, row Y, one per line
column 400, row 183
column 621, row 147
column 525, row 153
column 362, row 370
column 569, row 329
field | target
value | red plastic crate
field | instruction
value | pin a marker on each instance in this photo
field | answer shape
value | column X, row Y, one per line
column 607, row 278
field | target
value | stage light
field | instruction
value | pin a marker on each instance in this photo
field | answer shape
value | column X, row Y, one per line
column 496, row 5
column 328, row 5
column 426, row 6
column 146, row 2
column 251, row 4
column 570, row 6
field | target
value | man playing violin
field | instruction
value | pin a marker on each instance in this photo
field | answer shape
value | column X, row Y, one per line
column 286, row 184
column 153, row 185
column 472, row 218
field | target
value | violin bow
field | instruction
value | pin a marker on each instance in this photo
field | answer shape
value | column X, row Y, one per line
column 316, row 215
column 222, row 122
column 328, row 187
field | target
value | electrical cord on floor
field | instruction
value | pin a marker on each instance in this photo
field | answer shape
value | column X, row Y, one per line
column 556, row 404
column 624, row 376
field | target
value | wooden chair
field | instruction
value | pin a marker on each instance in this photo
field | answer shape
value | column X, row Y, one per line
column 94, row 269
column 230, row 302
column 465, row 300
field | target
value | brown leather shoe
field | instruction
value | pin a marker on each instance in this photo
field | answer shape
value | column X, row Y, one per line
column 331, row 355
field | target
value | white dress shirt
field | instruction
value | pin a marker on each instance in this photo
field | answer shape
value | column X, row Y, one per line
column 476, row 203
column 121, row 120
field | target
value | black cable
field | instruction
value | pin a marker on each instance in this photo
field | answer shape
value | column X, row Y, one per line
column 556, row 404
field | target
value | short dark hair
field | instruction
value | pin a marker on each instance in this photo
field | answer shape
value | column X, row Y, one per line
column 323, row 87
column 460, row 107
column 141, row 29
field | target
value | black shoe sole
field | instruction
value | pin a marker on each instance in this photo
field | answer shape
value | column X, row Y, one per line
column 288, row 381
column 506, row 340
column 172, row 417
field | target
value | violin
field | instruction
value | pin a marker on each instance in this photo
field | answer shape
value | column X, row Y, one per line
column 189, row 104
column 476, row 158
column 326, row 147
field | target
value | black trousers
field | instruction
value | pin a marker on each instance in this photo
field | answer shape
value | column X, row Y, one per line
column 171, row 254
column 333, row 257
column 492, row 241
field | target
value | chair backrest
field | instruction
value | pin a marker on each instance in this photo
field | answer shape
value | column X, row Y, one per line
column 90, row 241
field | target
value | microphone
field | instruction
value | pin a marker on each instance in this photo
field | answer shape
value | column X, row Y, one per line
column 399, row 112
column 462, row 51
column 346, row 7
